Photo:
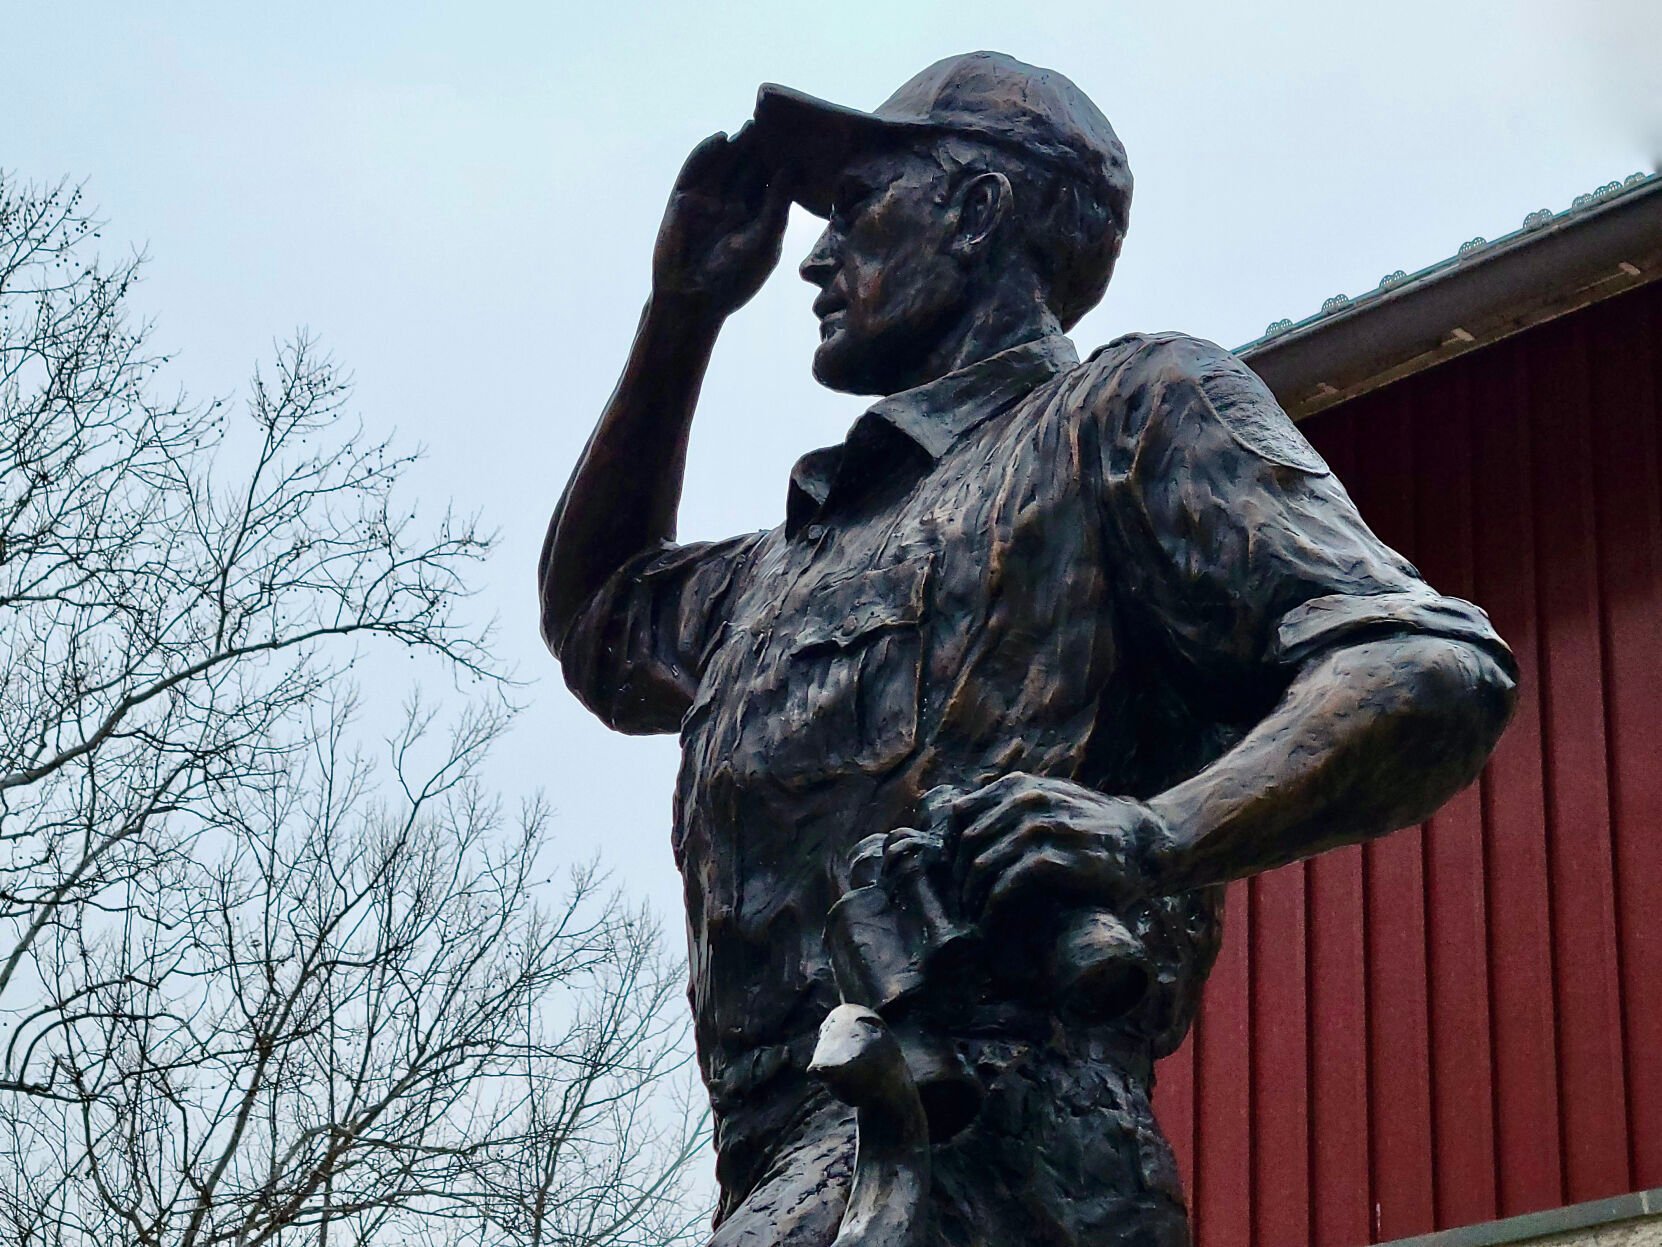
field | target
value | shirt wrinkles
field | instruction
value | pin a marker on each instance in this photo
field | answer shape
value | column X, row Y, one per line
column 929, row 417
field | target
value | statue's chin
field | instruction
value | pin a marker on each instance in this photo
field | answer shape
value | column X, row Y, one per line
column 831, row 368
column 842, row 366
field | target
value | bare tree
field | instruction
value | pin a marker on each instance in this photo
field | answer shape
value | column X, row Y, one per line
column 256, row 986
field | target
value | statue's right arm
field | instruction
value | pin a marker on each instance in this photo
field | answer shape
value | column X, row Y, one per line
column 623, row 495
column 719, row 240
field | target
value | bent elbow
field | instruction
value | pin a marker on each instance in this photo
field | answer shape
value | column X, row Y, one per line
column 555, row 620
column 1467, row 689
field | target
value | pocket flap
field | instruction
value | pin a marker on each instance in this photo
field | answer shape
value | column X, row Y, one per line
column 883, row 597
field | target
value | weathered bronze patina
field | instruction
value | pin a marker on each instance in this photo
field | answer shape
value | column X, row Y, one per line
column 1043, row 652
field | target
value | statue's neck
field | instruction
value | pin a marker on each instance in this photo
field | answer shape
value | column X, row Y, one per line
column 1008, row 316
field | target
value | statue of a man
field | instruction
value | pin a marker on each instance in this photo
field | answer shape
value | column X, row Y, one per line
column 1046, row 650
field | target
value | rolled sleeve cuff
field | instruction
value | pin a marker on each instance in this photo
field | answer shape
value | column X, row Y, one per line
column 1326, row 623
column 635, row 651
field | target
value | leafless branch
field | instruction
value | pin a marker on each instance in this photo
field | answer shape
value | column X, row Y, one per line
column 261, row 983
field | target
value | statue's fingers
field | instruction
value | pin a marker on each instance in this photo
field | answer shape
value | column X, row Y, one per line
column 996, row 855
column 766, row 227
column 907, row 849
column 902, row 843
column 994, row 816
column 706, row 164
column 776, row 207
column 747, row 173
column 1048, row 870
column 908, row 839
column 1017, row 790
column 938, row 805
column 983, row 833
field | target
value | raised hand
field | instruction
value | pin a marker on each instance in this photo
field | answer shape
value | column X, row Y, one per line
column 723, row 228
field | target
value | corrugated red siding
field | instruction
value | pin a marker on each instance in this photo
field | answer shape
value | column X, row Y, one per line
column 1463, row 1021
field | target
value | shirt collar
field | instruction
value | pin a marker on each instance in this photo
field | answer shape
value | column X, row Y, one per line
column 939, row 412
column 931, row 417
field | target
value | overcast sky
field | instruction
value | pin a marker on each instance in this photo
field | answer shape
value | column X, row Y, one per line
column 460, row 199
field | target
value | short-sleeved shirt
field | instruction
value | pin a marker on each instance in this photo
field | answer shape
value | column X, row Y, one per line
column 1103, row 571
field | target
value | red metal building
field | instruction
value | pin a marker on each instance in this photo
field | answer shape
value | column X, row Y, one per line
column 1462, row 1022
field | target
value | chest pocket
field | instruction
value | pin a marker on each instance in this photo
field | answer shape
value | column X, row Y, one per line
column 849, row 680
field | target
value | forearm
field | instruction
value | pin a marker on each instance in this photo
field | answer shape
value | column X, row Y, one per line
column 623, row 495
column 1367, row 739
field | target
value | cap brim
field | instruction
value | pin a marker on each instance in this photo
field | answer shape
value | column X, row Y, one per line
column 812, row 140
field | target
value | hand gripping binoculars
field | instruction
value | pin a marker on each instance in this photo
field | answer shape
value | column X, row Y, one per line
column 901, row 944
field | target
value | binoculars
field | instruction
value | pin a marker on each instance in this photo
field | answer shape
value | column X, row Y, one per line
column 899, row 944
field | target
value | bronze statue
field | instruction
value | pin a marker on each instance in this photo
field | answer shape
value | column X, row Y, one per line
column 1044, row 652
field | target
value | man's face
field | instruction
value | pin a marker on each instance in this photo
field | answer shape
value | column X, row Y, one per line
column 889, row 287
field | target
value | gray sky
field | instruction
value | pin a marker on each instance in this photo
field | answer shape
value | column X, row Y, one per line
column 460, row 201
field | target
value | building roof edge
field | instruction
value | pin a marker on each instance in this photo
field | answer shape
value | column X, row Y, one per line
column 1607, row 243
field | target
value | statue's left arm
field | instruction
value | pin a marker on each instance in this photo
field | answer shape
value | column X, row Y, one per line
column 1370, row 736
column 1361, row 698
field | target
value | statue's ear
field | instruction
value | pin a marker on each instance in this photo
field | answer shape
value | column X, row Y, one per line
column 983, row 202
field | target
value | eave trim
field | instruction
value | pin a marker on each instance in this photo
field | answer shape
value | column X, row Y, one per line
column 1485, row 295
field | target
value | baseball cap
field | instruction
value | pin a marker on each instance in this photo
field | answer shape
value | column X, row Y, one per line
column 986, row 96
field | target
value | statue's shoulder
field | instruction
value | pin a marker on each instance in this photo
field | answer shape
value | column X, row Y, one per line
column 1122, row 380
column 1167, row 352
column 1149, row 381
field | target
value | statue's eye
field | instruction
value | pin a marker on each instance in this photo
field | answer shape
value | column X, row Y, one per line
column 847, row 202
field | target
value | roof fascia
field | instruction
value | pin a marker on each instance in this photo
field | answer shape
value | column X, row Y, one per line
column 1486, row 294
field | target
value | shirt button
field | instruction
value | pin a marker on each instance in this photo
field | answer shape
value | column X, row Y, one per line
column 815, row 531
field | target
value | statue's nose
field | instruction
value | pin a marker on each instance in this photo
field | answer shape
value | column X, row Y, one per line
column 821, row 263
